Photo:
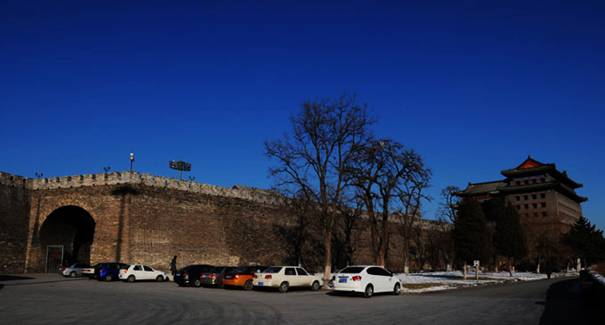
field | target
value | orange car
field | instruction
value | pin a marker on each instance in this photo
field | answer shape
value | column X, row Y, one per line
column 241, row 277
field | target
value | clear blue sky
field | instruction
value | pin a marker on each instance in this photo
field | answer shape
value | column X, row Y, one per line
column 474, row 86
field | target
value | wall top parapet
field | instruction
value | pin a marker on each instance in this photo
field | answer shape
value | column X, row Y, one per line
column 134, row 178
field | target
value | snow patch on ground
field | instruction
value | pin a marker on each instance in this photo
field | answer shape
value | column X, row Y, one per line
column 438, row 281
column 428, row 289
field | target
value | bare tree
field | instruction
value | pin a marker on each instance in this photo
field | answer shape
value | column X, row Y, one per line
column 449, row 202
column 411, row 195
column 386, row 176
column 311, row 160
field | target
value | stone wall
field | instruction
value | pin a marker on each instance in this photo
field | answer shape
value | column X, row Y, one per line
column 14, row 214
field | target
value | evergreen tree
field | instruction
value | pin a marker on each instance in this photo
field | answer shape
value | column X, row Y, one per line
column 509, row 237
column 586, row 241
column 471, row 239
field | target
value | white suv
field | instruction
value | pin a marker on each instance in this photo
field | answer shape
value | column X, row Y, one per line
column 137, row 272
column 285, row 277
column 367, row 280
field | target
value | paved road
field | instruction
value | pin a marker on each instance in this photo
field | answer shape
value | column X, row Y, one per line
column 57, row 301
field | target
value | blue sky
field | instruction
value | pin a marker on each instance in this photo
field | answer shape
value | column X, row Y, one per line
column 474, row 86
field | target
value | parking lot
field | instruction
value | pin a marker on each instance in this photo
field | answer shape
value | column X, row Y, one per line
column 52, row 299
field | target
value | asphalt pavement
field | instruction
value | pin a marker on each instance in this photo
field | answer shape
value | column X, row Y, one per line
column 51, row 299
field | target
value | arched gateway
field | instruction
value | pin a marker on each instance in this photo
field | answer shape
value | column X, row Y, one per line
column 66, row 236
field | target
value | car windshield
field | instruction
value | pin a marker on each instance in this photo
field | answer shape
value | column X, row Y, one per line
column 273, row 269
column 352, row 269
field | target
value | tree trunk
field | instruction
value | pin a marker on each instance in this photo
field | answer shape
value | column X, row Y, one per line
column 464, row 270
column 327, row 257
column 380, row 257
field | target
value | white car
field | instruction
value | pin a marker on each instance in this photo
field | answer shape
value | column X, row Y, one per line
column 367, row 280
column 74, row 270
column 285, row 277
column 139, row 272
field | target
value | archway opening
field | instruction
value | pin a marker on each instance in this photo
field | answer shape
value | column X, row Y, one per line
column 66, row 237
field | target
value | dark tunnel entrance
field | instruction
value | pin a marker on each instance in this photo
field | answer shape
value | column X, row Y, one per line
column 66, row 237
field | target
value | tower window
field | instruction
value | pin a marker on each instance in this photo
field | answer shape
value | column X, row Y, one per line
column 543, row 204
column 534, row 196
column 542, row 195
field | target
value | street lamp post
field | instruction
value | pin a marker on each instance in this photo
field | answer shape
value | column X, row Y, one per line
column 131, row 161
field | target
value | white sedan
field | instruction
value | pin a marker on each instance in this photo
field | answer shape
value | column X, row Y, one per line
column 285, row 277
column 74, row 270
column 367, row 280
column 139, row 272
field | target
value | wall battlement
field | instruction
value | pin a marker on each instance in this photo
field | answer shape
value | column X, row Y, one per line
column 134, row 178
column 13, row 180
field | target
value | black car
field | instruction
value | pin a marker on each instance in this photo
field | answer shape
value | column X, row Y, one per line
column 190, row 275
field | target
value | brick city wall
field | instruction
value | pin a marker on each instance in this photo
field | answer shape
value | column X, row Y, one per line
column 145, row 219
column 14, row 207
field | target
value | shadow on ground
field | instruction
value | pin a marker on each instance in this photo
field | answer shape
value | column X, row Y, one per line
column 572, row 302
column 13, row 277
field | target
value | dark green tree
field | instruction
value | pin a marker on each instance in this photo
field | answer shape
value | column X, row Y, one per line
column 509, row 237
column 471, row 239
column 586, row 241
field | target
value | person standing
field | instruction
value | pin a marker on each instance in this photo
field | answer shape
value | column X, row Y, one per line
column 173, row 265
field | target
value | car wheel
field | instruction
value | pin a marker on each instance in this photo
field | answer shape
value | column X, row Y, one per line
column 397, row 289
column 72, row 274
column 248, row 285
column 369, row 291
column 197, row 283
column 130, row 278
column 283, row 287
column 108, row 277
column 159, row 278
column 315, row 286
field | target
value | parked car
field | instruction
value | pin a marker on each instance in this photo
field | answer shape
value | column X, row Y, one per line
column 190, row 275
column 73, row 270
column 109, row 271
column 242, row 277
column 367, row 280
column 89, row 271
column 285, row 277
column 214, row 277
column 139, row 272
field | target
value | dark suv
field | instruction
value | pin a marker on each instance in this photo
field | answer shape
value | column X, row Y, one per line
column 190, row 275
column 109, row 271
